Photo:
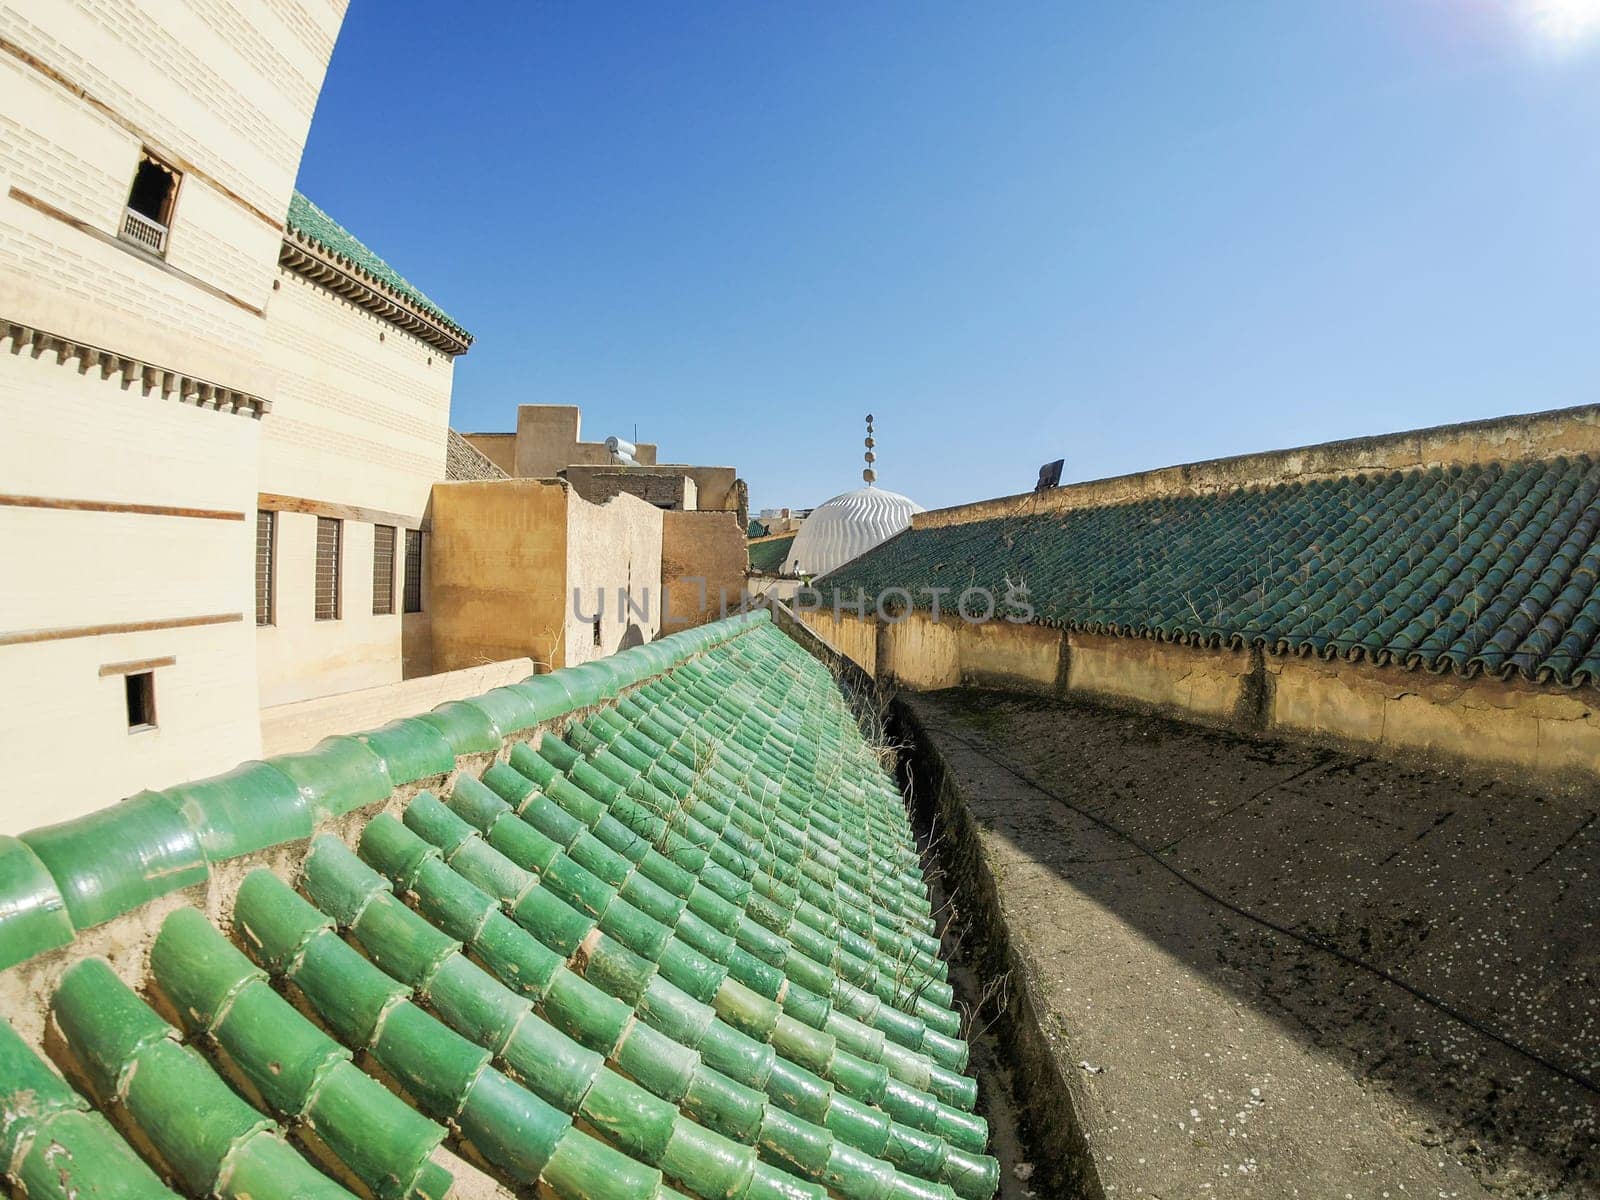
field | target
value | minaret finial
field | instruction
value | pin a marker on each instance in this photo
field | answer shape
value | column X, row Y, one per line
column 869, row 474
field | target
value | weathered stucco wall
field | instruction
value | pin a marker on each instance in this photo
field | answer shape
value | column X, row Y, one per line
column 549, row 439
column 1503, row 439
column 1519, row 725
column 1513, row 728
column 613, row 573
column 703, row 561
column 1210, row 683
column 498, row 448
column 855, row 638
column 498, row 565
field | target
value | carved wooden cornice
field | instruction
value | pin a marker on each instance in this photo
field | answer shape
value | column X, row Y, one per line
column 322, row 266
column 148, row 377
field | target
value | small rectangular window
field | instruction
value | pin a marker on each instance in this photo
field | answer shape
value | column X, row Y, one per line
column 382, row 569
column 413, row 599
column 141, row 690
column 266, row 532
column 329, row 536
column 148, row 216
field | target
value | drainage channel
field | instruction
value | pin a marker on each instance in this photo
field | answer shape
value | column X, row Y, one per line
column 1040, row 1153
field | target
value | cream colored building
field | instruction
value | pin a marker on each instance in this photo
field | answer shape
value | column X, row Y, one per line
column 356, row 441
column 148, row 151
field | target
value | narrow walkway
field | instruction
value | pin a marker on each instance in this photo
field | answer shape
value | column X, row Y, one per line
column 1139, row 865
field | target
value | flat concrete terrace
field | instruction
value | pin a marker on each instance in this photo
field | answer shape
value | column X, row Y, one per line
column 1232, row 1032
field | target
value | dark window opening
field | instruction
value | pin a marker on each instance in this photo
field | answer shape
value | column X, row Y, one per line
column 266, row 528
column 597, row 631
column 382, row 569
column 413, row 597
column 141, row 689
column 329, row 536
column 150, row 203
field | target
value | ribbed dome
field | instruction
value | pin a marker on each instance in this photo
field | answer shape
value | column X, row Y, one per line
column 846, row 527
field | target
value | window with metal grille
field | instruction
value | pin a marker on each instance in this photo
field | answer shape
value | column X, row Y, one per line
column 382, row 569
column 266, row 529
column 330, row 535
column 413, row 599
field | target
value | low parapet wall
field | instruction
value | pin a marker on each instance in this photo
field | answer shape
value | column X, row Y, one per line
column 1502, row 726
column 286, row 728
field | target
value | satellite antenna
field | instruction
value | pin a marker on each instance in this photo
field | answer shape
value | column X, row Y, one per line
column 622, row 452
column 1050, row 475
column 869, row 474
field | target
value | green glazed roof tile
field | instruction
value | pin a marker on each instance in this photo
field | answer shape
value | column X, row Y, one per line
column 306, row 219
column 1491, row 568
column 678, row 946
column 768, row 556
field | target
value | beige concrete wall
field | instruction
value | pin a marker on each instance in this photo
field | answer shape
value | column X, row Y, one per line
column 288, row 728
column 63, row 728
column 498, row 448
column 703, row 565
column 614, row 552
column 919, row 653
column 715, row 487
column 1503, row 439
column 497, row 561
column 549, row 439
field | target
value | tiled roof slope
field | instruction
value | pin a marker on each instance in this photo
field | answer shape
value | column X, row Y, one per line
column 768, row 556
column 310, row 221
column 677, row 945
column 464, row 461
column 1491, row 568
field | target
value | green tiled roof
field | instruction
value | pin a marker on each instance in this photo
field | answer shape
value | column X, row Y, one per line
column 768, row 557
column 307, row 219
column 678, row 944
column 755, row 529
column 1489, row 568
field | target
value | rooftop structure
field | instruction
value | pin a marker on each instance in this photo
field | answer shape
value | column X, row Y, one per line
column 652, row 923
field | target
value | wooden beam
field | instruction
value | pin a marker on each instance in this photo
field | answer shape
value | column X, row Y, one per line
column 143, row 255
column 341, row 512
column 24, row 637
column 133, row 668
column 182, row 164
column 109, row 506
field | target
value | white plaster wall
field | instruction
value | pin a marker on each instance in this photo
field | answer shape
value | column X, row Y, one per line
column 361, row 411
column 300, row 656
column 63, row 728
column 227, row 88
column 360, row 417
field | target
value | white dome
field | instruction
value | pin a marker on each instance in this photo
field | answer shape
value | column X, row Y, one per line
column 846, row 527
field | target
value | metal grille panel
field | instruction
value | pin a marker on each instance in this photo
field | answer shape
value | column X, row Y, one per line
column 266, row 529
column 382, row 569
column 329, row 536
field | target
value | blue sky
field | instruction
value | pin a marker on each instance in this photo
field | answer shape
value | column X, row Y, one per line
column 1129, row 233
